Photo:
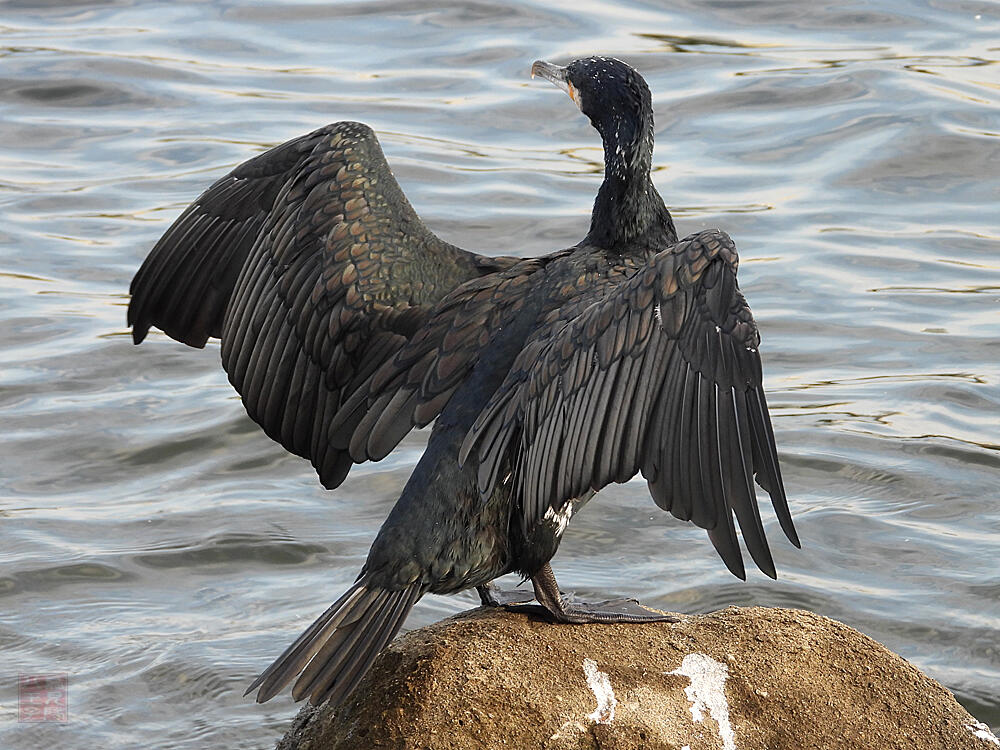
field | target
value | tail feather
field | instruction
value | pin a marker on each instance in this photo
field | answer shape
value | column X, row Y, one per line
column 297, row 655
column 363, row 660
column 336, row 651
column 339, row 647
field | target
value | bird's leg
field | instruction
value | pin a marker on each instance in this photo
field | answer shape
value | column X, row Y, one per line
column 617, row 610
column 491, row 596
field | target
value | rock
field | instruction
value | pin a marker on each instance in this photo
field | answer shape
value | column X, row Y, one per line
column 753, row 679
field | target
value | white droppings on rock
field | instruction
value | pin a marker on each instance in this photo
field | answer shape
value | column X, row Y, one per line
column 601, row 687
column 707, row 691
column 983, row 732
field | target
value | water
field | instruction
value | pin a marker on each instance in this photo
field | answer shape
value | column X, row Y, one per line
column 159, row 550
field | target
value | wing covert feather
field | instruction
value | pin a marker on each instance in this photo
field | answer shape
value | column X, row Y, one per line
column 412, row 387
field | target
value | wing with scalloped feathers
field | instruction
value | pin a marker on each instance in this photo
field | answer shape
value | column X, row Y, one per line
column 662, row 376
column 313, row 268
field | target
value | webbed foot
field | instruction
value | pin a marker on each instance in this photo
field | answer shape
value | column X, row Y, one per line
column 554, row 606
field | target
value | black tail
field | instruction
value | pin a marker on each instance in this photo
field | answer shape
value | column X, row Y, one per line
column 336, row 651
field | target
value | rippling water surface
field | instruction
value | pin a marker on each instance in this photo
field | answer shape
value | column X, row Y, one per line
column 160, row 550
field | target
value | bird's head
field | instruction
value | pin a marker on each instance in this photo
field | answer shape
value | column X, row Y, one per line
column 611, row 94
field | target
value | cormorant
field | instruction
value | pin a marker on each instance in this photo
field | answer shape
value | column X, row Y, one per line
column 345, row 323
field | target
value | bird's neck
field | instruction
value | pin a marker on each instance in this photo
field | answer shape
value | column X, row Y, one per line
column 628, row 211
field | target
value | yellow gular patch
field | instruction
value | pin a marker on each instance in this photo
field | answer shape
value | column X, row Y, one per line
column 572, row 93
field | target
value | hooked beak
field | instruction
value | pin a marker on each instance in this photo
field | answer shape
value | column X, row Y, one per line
column 554, row 74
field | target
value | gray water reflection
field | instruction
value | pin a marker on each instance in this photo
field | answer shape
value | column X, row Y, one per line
column 160, row 550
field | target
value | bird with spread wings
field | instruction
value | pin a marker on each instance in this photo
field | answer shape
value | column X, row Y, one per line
column 345, row 323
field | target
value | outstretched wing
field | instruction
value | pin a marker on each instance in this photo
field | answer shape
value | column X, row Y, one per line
column 313, row 268
column 661, row 376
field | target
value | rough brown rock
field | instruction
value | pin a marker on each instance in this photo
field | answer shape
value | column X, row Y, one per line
column 492, row 679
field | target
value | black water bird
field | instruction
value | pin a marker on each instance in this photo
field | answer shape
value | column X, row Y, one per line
column 345, row 323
